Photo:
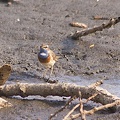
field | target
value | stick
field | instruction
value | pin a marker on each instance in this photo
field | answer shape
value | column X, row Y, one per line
column 92, row 111
column 68, row 102
column 100, row 18
column 57, row 89
column 112, row 21
column 74, row 108
column 91, row 97
column 81, row 108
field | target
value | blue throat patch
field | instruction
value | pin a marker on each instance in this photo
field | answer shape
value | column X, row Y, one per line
column 43, row 54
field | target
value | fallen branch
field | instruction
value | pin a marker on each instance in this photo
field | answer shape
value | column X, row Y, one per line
column 58, row 89
column 81, row 108
column 92, row 92
column 112, row 22
column 92, row 111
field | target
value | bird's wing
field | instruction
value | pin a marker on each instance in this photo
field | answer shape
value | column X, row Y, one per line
column 53, row 55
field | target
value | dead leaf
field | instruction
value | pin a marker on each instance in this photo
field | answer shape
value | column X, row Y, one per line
column 91, row 46
column 77, row 24
column 5, row 72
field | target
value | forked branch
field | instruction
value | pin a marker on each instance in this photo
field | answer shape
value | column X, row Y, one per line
column 85, row 32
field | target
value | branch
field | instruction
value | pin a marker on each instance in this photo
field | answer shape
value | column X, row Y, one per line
column 92, row 111
column 91, row 97
column 58, row 89
column 82, row 113
column 83, row 117
column 112, row 21
column 74, row 108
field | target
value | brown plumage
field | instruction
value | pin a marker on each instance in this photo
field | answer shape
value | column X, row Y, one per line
column 47, row 58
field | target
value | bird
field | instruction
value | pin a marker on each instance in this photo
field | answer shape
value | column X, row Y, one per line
column 47, row 58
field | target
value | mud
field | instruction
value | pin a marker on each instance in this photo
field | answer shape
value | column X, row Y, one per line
column 25, row 25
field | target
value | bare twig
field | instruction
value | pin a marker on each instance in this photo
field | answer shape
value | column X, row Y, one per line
column 74, row 108
column 92, row 111
column 67, row 103
column 81, row 108
column 100, row 18
column 112, row 21
column 82, row 113
column 91, row 97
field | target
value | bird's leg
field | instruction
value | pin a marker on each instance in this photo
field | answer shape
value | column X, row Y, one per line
column 44, row 73
column 51, row 71
column 51, row 81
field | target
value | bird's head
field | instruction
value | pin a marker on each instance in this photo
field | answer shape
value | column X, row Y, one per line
column 46, row 47
column 43, row 51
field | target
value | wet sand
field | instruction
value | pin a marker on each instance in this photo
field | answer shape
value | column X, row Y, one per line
column 25, row 25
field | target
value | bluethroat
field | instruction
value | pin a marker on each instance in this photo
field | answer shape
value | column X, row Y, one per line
column 47, row 58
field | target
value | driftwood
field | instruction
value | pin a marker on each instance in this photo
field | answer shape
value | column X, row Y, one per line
column 85, row 32
column 59, row 89
column 91, row 92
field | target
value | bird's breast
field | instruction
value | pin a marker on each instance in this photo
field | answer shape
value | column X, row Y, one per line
column 43, row 58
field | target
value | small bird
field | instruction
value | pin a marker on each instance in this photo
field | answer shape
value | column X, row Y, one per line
column 47, row 58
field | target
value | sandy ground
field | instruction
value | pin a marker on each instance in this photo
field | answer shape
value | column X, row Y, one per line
column 25, row 25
